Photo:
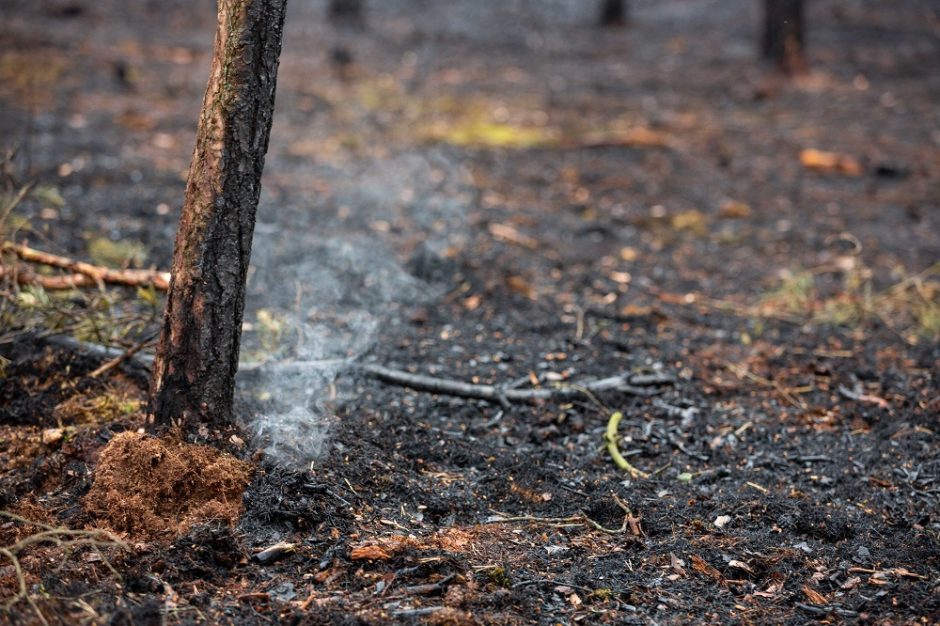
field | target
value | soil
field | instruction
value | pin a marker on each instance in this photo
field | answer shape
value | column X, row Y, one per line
column 542, row 202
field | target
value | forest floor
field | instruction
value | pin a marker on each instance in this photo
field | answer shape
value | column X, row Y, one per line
column 505, row 194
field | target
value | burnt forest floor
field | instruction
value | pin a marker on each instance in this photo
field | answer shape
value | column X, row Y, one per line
column 496, row 193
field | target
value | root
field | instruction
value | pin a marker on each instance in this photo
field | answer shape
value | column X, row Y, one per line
column 57, row 536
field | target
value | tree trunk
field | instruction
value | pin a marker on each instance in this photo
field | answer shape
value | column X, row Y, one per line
column 349, row 12
column 783, row 35
column 194, row 372
column 613, row 13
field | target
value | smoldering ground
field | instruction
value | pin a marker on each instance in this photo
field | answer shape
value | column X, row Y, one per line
column 316, row 302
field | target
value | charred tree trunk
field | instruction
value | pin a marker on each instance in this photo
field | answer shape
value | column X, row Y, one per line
column 613, row 13
column 783, row 39
column 197, row 356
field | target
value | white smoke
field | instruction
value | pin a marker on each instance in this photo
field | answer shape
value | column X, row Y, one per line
column 325, row 279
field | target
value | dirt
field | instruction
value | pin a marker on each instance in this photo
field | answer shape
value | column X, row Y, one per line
column 144, row 486
column 536, row 201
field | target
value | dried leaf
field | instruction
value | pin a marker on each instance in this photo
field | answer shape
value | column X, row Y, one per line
column 740, row 565
column 700, row 566
column 871, row 399
column 629, row 254
column 734, row 209
column 692, row 221
column 621, row 278
column 521, row 286
column 370, row 552
column 822, row 161
column 851, row 583
column 814, row 596
column 472, row 303
column 635, row 310
column 508, row 234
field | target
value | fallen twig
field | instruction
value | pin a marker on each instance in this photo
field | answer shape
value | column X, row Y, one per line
column 5, row 213
column 62, row 537
column 503, row 394
column 428, row 610
column 633, row 384
column 630, row 521
column 429, row 587
column 98, row 275
column 24, row 276
column 546, row 581
column 124, row 356
column 859, row 395
column 611, row 438
column 743, row 372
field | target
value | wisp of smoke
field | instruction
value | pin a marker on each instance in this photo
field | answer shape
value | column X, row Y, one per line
column 316, row 303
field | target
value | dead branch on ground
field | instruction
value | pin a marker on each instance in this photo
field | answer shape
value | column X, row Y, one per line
column 633, row 384
column 637, row 385
column 630, row 521
column 84, row 274
column 66, row 538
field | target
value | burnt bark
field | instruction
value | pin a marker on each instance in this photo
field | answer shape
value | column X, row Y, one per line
column 197, row 356
column 613, row 13
column 783, row 39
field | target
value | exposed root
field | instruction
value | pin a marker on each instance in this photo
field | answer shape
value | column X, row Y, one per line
column 65, row 538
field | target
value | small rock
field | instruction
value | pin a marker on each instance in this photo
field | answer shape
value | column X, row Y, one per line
column 722, row 520
column 53, row 437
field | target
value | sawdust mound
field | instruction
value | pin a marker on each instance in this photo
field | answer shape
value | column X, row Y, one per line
column 149, row 487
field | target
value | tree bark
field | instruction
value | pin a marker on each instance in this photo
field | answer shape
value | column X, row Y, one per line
column 197, row 356
column 783, row 40
column 613, row 13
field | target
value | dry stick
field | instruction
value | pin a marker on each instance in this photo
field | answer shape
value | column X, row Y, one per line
column 623, row 383
column 25, row 276
column 57, row 536
column 630, row 521
column 112, row 363
column 742, row 372
column 502, row 394
column 14, row 202
column 101, row 275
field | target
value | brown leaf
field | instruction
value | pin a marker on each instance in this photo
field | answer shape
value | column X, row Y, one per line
column 734, row 209
column 508, row 234
column 822, row 161
column 472, row 303
column 814, row 596
column 871, row 399
column 740, row 565
column 369, row 551
column 702, row 567
column 521, row 286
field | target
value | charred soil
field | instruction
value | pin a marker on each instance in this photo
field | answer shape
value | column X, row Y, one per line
column 497, row 195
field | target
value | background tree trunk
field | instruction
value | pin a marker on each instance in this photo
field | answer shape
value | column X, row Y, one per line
column 348, row 12
column 613, row 13
column 783, row 40
column 197, row 356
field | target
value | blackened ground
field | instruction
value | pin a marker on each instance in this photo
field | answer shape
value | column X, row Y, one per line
column 571, row 203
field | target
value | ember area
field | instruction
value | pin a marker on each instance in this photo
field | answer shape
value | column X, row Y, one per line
column 546, row 322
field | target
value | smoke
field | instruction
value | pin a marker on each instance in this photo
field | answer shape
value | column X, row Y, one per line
column 326, row 277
